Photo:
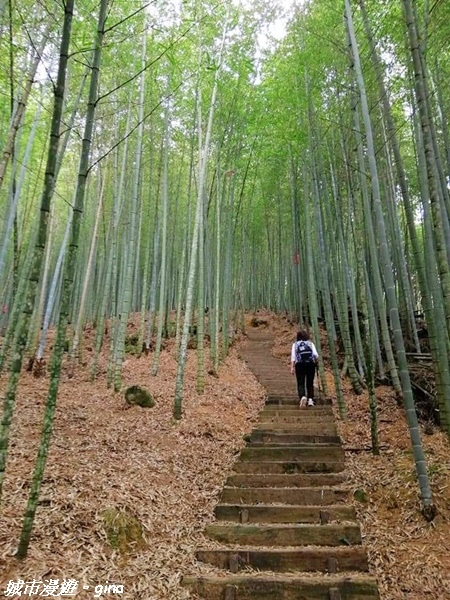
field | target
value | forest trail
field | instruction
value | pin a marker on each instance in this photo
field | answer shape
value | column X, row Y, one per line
column 283, row 517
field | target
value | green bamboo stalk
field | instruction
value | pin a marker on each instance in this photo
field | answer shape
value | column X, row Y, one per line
column 328, row 310
column 370, row 378
column 31, row 288
column 198, row 230
column 379, row 301
column 164, row 203
column 55, row 368
column 425, row 123
column 311, row 289
column 19, row 112
column 428, row 508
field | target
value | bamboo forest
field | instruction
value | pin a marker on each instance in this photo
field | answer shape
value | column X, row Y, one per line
column 190, row 191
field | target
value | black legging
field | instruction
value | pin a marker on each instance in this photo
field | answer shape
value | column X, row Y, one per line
column 305, row 372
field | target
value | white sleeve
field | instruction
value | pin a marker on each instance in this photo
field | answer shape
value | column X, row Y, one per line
column 313, row 348
column 293, row 353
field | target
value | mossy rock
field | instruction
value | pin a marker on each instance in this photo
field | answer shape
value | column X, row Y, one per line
column 361, row 496
column 123, row 530
column 132, row 339
column 140, row 396
column 192, row 343
column 131, row 343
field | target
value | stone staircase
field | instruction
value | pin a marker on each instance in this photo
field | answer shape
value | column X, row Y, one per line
column 286, row 529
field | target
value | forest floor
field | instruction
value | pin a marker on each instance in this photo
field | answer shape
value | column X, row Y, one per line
column 140, row 462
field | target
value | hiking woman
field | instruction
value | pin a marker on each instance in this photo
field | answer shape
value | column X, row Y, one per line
column 304, row 358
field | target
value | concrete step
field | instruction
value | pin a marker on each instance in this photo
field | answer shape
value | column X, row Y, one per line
column 293, row 453
column 321, row 496
column 280, row 418
column 268, row 513
column 249, row 480
column 311, row 429
column 295, row 410
column 297, row 426
column 317, row 412
column 285, row 534
column 289, row 466
column 293, row 400
column 274, row 375
column 282, row 391
column 284, row 587
column 273, row 438
column 326, row 560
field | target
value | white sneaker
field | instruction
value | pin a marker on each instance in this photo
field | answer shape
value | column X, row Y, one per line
column 310, row 402
column 303, row 401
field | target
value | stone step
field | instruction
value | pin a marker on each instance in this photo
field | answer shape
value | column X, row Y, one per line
column 296, row 418
column 284, row 534
column 297, row 425
column 289, row 467
column 299, row 496
column 273, row 374
column 284, row 391
column 293, row 393
column 300, row 418
column 248, row 480
column 293, row 453
column 283, row 509
column 284, row 587
column 272, row 438
column 267, row 513
column 327, row 560
column 274, row 371
column 278, row 385
column 295, row 410
column 286, row 427
column 293, row 400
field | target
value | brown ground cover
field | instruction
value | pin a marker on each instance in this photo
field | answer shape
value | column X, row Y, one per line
column 409, row 556
column 169, row 475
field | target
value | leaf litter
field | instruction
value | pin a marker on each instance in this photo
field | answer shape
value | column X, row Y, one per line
column 169, row 475
column 409, row 556
column 105, row 456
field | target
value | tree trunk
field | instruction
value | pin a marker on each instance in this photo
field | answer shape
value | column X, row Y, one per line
column 36, row 266
column 55, row 370
column 419, row 455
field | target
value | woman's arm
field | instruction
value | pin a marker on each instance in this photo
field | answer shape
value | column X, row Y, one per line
column 293, row 358
column 314, row 351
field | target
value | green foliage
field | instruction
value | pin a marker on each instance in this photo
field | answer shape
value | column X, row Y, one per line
column 131, row 343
